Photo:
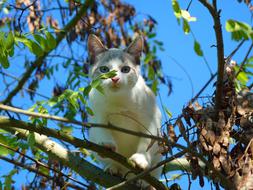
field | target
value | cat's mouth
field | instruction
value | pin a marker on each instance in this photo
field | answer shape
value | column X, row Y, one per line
column 114, row 86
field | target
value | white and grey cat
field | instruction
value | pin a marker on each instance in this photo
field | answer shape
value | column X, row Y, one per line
column 127, row 102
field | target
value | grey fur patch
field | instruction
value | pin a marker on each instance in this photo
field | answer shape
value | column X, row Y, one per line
column 114, row 53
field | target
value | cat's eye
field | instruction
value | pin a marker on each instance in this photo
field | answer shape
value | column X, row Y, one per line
column 125, row 69
column 104, row 69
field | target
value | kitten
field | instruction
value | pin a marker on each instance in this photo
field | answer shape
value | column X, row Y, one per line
column 127, row 102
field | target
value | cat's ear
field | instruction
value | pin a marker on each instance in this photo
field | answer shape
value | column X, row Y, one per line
column 95, row 46
column 135, row 48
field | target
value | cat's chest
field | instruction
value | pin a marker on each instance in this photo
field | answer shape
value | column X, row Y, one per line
column 123, row 113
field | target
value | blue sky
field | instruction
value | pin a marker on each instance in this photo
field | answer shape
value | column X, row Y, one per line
column 179, row 47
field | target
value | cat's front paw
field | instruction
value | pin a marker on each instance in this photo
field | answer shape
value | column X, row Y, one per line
column 139, row 160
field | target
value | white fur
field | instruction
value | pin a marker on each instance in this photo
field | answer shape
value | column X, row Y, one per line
column 130, row 106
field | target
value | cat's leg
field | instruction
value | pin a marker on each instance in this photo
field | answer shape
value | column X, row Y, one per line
column 147, row 154
column 142, row 158
column 104, row 138
column 145, row 159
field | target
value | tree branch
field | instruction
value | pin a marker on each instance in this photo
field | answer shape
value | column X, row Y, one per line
column 40, row 60
column 83, row 124
column 182, row 164
column 41, row 164
column 15, row 125
column 142, row 174
column 57, row 152
column 220, row 52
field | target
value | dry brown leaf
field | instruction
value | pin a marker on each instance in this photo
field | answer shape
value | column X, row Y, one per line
column 216, row 163
column 225, row 164
column 171, row 133
column 216, row 148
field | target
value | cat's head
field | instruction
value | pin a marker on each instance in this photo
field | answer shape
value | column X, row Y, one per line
column 126, row 62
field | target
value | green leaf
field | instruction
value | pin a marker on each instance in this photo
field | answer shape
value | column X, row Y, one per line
column 4, row 61
column 248, row 65
column 230, row 26
column 11, row 51
column 250, row 59
column 148, row 58
column 176, row 9
column 31, row 139
column 50, row 40
column 42, row 41
column 44, row 170
column 89, row 111
column 238, row 87
column 154, row 86
column 168, row 112
column 67, row 129
column 81, row 98
column 110, row 74
column 73, row 101
column 95, row 83
column 100, row 89
column 243, row 78
column 32, row 46
column 186, row 27
column 4, row 151
column 53, row 101
column 85, row 151
column 8, row 179
column 3, row 131
column 197, row 48
column 239, row 30
column 36, row 49
column 151, row 35
column 21, row 39
column 151, row 73
column 159, row 43
column 9, row 42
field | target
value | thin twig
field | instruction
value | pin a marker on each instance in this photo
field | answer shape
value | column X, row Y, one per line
column 202, row 89
column 204, row 57
column 189, row 5
column 22, row 12
column 235, row 50
column 67, row 57
column 35, row 170
column 250, row 86
column 186, row 73
column 244, row 60
column 26, row 89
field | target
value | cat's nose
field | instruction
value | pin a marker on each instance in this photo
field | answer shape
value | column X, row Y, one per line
column 115, row 79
